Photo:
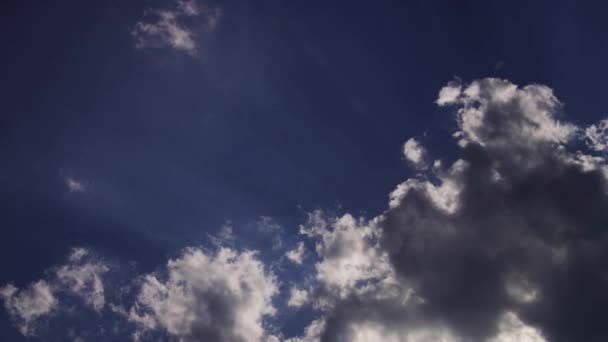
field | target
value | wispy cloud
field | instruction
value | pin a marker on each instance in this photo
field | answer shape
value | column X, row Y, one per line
column 75, row 185
column 165, row 28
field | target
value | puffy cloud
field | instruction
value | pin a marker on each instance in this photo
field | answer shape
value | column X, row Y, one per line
column 296, row 255
column 449, row 94
column 349, row 252
column 415, row 154
column 525, row 235
column 221, row 297
column 166, row 30
column 505, row 244
column 84, row 278
column 297, row 297
column 80, row 276
column 512, row 329
column 27, row 305
column 499, row 116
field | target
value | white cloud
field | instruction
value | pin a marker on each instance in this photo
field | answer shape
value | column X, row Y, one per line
column 512, row 329
column 449, row 94
column 78, row 276
column 296, row 255
column 167, row 30
column 27, row 305
column 525, row 116
column 445, row 196
column 350, row 256
column 84, row 278
column 415, row 154
column 297, row 297
column 597, row 136
column 221, row 297
column 74, row 185
column 224, row 236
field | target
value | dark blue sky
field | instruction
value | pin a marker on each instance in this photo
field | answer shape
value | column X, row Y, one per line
column 288, row 106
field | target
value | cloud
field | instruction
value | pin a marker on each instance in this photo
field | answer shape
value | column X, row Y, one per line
column 297, row 297
column 27, row 305
column 269, row 225
column 506, row 244
column 165, row 29
column 296, row 255
column 74, row 185
column 415, row 154
column 597, row 136
column 220, row 297
column 80, row 276
column 519, row 238
column 84, row 278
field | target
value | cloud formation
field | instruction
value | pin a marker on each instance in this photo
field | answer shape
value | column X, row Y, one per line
column 84, row 278
column 415, row 154
column 296, row 255
column 80, row 276
column 164, row 28
column 27, row 305
column 506, row 244
column 220, row 297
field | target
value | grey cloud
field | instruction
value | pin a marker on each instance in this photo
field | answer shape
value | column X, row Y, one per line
column 542, row 220
column 507, row 244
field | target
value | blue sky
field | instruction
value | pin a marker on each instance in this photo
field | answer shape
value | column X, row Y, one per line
column 137, row 129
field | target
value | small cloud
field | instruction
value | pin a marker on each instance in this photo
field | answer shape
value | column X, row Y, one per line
column 163, row 28
column 75, row 185
column 596, row 136
column 225, row 235
column 269, row 225
column 27, row 305
column 415, row 154
column 296, row 255
column 297, row 297
column 79, row 276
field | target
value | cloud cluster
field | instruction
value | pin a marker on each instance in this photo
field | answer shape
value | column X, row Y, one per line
column 506, row 244
column 165, row 28
column 80, row 276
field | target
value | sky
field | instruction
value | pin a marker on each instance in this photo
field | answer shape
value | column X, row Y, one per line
column 303, row 171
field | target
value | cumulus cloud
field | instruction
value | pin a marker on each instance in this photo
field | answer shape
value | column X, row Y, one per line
column 219, row 297
column 27, row 305
column 164, row 28
column 519, row 238
column 296, row 255
column 415, row 154
column 505, row 244
column 80, row 276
